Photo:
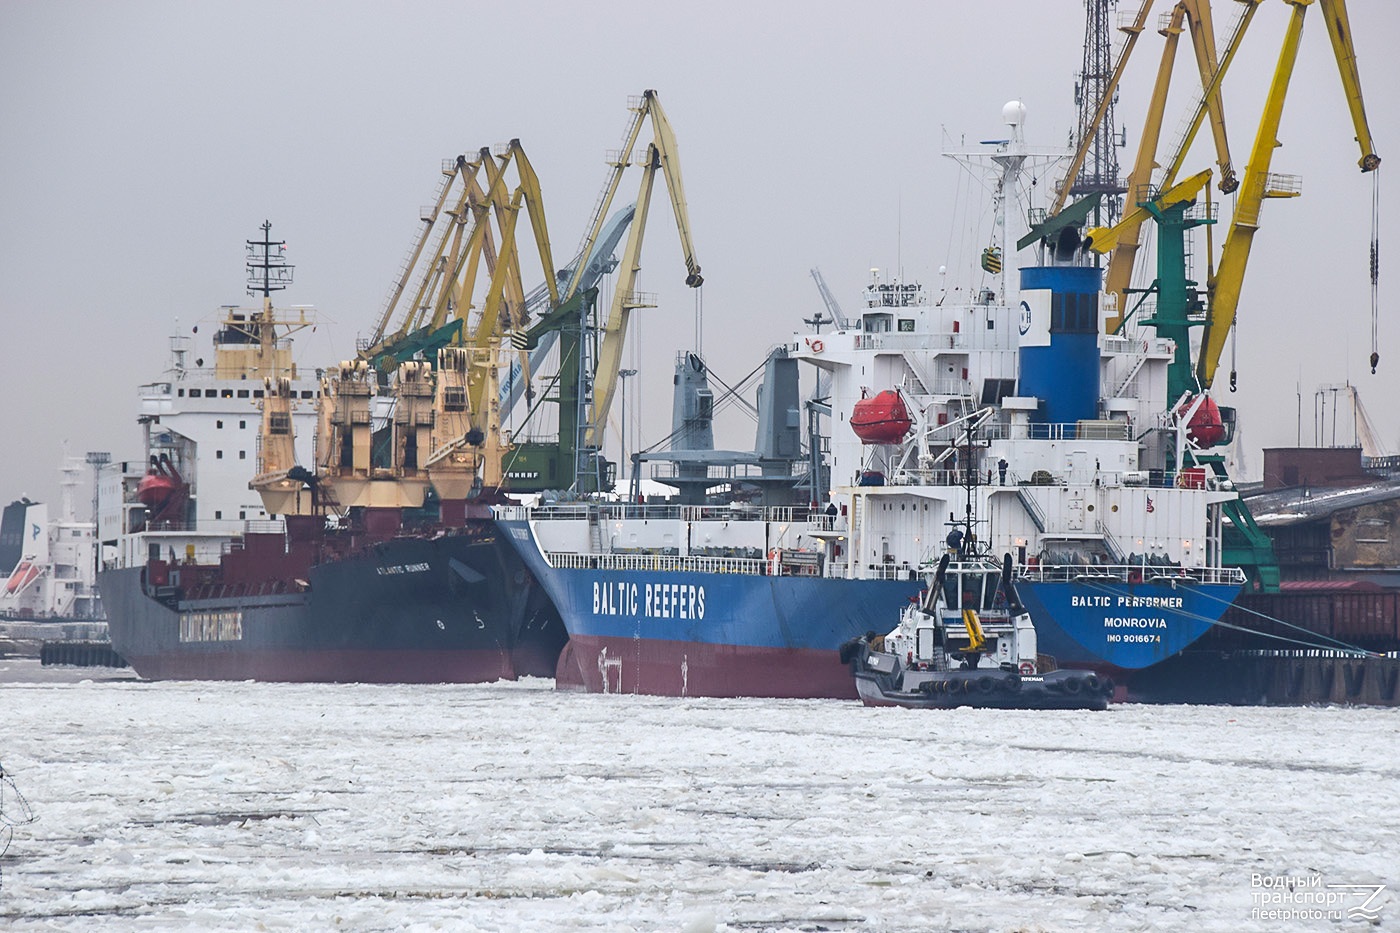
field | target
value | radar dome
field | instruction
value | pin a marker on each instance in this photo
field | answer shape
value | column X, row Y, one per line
column 1013, row 113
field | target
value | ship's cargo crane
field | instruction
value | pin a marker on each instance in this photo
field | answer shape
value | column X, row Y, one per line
column 833, row 307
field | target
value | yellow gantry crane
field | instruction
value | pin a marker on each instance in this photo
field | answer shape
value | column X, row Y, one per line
column 1193, row 16
column 442, row 323
column 447, row 275
column 1259, row 184
column 661, row 155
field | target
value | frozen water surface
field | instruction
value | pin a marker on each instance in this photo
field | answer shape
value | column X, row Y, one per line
column 242, row 806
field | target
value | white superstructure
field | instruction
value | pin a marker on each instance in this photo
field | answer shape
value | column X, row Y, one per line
column 203, row 418
column 55, row 573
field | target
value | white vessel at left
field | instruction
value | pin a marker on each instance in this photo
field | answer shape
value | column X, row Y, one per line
column 200, row 426
column 47, row 564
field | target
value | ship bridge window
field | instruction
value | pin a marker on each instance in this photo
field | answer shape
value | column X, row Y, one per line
column 181, row 393
column 227, row 393
column 218, row 455
column 878, row 323
column 242, row 393
column 906, row 325
column 219, row 425
column 257, row 393
column 242, row 425
column 306, row 393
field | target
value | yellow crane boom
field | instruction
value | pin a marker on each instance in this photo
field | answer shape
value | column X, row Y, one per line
column 662, row 155
column 1193, row 15
column 1259, row 184
column 1086, row 133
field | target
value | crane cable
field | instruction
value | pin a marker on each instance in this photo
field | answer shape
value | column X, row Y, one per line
column 1375, row 268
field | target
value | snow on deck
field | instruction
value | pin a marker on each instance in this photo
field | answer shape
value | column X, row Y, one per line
column 242, row 806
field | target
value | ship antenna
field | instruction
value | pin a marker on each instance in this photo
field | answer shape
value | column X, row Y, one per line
column 969, row 487
column 268, row 270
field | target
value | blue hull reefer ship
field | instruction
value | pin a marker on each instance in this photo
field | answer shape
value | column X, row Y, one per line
column 1000, row 419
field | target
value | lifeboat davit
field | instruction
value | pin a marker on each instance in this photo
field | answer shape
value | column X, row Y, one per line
column 161, row 490
column 881, row 419
column 23, row 575
column 1206, row 428
column 156, row 490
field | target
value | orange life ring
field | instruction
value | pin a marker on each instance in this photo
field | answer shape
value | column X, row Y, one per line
column 1027, row 667
column 817, row 346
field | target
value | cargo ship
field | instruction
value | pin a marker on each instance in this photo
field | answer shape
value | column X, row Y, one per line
column 48, row 565
column 1007, row 410
column 374, row 565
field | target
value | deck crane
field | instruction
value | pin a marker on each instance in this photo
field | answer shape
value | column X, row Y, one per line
column 661, row 156
column 1259, row 184
column 1193, row 16
column 833, row 307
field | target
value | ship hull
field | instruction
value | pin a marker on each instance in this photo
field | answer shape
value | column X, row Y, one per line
column 1114, row 626
column 682, row 633
column 452, row 609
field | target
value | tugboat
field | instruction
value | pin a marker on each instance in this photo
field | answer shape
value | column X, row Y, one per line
column 967, row 641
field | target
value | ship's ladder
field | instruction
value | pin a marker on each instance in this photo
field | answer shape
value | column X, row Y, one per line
column 595, row 533
column 1032, row 508
column 1138, row 359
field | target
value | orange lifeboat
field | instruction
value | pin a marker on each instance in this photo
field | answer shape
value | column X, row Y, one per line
column 1207, row 428
column 881, row 419
column 162, row 491
column 23, row 575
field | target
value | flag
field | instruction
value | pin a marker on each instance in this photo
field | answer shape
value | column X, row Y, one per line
column 1150, row 507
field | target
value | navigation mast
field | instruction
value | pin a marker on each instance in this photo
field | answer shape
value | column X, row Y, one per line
column 268, row 269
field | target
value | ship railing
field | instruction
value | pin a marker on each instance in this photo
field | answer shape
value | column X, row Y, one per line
column 1130, row 573
column 584, row 511
column 717, row 472
column 893, row 340
column 665, row 563
column 1087, row 430
column 889, row 571
column 275, row 526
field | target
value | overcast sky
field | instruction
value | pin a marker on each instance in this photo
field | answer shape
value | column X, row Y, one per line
column 144, row 142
